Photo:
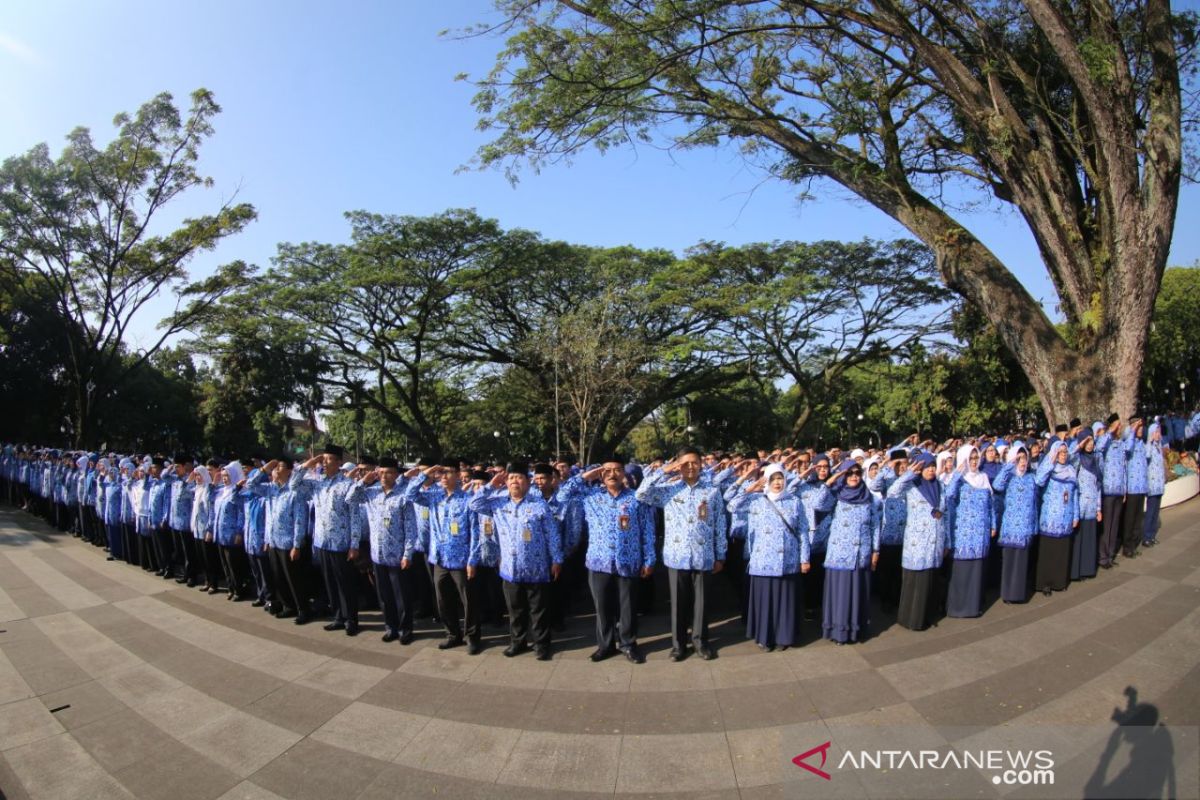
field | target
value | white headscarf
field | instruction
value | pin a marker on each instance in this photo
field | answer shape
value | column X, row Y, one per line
column 942, row 458
column 1011, row 456
column 771, row 470
column 81, row 462
column 973, row 477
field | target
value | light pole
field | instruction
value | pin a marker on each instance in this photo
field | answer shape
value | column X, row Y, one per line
column 1183, row 392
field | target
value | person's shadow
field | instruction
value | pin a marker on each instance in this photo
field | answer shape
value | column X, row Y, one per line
column 1151, row 769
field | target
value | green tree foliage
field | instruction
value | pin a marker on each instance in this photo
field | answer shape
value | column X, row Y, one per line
column 88, row 225
column 1070, row 112
column 1174, row 355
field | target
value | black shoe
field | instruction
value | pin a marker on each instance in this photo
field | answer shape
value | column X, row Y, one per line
column 705, row 652
column 601, row 653
column 766, row 648
column 1150, row 543
column 1106, row 566
column 1046, row 592
column 406, row 638
column 192, row 583
column 335, row 626
column 633, row 655
column 515, row 649
column 259, row 603
column 474, row 647
column 302, row 619
column 285, row 613
column 390, row 636
column 450, row 641
column 352, row 630
column 678, row 655
column 543, row 654
column 110, row 558
column 213, row 590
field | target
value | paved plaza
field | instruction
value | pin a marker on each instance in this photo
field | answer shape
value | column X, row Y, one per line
column 115, row 683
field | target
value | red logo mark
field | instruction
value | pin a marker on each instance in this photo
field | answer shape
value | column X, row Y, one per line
column 823, row 749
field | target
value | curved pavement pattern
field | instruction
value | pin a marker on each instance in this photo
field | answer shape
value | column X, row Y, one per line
column 114, row 683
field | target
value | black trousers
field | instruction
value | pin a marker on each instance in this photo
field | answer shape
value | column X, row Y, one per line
column 528, row 612
column 164, row 548
column 1111, row 507
column 236, row 568
column 688, row 590
column 421, row 581
column 456, row 600
column 185, row 555
column 290, row 581
column 1132, row 522
column 394, row 588
column 616, row 615
column 146, row 555
column 211, row 555
column 489, row 590
column 341, row 582
column 129, row 543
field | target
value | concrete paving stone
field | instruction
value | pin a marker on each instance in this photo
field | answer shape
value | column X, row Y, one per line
column 675, row 763
column 176, row 771
column 100, row 585
column 121, row 739
column 26, row 721
column 241, row 743
column 183, row 711
column 466, row 750
column 314, row 770
column 140, row 684
column 489, row 705
column 498, row 671
column 691, row 674
column 64, row 590
column 563, row 761
column 765, row 706
column 839, row 695
column 59, row 768
column 371, row 730
column 613, row 675
column 397, row 782
column 415, row 694
column 579, row 712
column 758, row 754
column 299, row 709
column 249, row 791
column 12, row 686
column 672, row 712
column 751, row 670
column 9, row 783
column 343, row 678
column 85, row 703
column 221, row 679
column 16, row 630
column 450, row 665
column 94, row 652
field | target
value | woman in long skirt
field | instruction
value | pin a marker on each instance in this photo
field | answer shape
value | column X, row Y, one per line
column 852, row 550
column 969, row 497
column 924, row 541
column 1090, row 474
column 777, row 552
column 818, row 504
column 1058, row 520
column 1018, row 525
column 880, row 479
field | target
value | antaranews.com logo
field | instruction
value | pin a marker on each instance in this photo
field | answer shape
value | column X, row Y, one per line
column 1006, row 767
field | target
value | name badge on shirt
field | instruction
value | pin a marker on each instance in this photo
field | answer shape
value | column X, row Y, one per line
column 702, row 510
column 424, row 513
column 526, row 535
column 623, row 521
column 487, row 527
column 387, row 522
column 454, row 529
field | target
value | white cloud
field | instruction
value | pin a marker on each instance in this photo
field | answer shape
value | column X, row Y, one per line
column 18, row 49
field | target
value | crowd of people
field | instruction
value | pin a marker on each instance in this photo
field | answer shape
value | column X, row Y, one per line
column 799, row 535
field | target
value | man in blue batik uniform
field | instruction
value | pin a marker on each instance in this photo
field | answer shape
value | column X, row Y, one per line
column 693, row 546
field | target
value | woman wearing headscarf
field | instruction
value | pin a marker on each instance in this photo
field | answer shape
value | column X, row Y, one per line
column 851, row 552
column 1058, row 520
column 777, row 552
column 229, row 521
column 1018, row 524
column 1156, row 482
column 924, row 544
column 945, row 467
column 1090, row 474
column 973, row 525
column 818, row 504
column 202, row 517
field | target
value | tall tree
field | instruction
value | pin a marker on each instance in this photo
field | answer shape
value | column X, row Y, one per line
column 1174, row 356
column 813, row 311
column 1071, row 112
column 86, row 224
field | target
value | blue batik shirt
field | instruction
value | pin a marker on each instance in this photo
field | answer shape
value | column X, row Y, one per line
column 450, row 523
column 182, row 495
column 974, row 519
column 854, row 535
column 895, row 509
column 286, row 519
column 694, row 519
column 1060, row 503
column 924, row 535
column 1018, row 522
column 228, row 516
column 336, row 522
column 776, row 532
column 620, row 529
column 528, row 533
column 1112, row 455
column 390, row 536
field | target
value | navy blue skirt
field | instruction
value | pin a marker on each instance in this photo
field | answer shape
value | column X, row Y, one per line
column 965, row 596
column 847, row 607
column 1014, row 580
column 773, row 618
column 1084, row 556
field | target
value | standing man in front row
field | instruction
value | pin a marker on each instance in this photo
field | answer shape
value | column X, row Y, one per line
column 391, row 546
column 336, row 534
column 620, row 551
column 530, row 554
column 693, row 546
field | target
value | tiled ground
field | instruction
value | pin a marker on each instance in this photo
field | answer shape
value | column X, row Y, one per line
column 114, row 683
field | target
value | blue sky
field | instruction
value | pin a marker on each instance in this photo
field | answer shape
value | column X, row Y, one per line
column 332, row 107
